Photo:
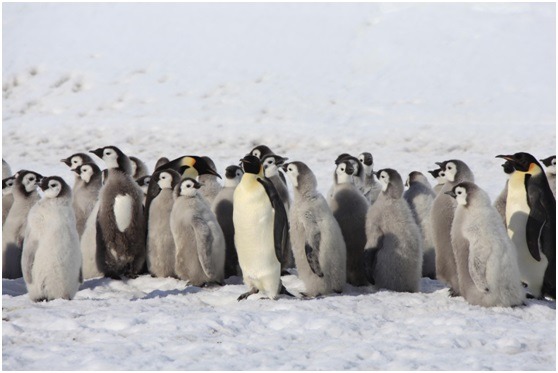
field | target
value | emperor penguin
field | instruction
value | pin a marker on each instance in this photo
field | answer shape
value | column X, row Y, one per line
column 260, row 151
column 121, row 225
column 143, row 183
column 76, row 160
column 318, row 246
column 486, row 257
column 161, row 250
column 271, row 164
column 393, row 253
column 440, row 178
column 349, row 207
column 420, row 198
column 7, row 197
column 260, row 226
column 371, row 188
column 139, row 168
column 51, row 260
column 6, row 169
column 86, row 193
column 223, row 207
column 550, row 164
column 357, row 169
column 13, row 232
column 161, row 161
column 531, row 223
column 210, row 183
column 500, row 202
column 441, row 218
column 199, row 240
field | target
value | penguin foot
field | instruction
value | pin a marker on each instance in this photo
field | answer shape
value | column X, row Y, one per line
column 453, row 293
column 285, row 291
column 247, row 294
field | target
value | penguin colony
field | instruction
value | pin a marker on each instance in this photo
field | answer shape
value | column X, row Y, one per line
column 181, row 222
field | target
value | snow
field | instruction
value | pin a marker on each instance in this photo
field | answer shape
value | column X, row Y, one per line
column 411, row 83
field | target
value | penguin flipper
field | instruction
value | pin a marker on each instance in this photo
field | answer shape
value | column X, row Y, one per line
column 153, row 191
column 536, row 221
column 312, row 244
column 477, row 269
column 28, row 258
column 204, row 243
column 280, row 223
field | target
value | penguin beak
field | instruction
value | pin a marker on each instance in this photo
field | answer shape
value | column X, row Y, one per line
column 451, row 194
column 440, row 164
column 77, row 171
column 67, row 161
column 506, row 157
column 44, row 184
column 197, row 185
column 97, row 152
column 285, row 167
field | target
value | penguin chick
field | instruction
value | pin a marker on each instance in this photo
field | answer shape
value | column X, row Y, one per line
column 76, row 160
column 486, row 259
column 86, row 193
column 161, row 161
column 139, row 168
column 357, row 178
column 210, row 185
column 7, row 196
column 51, row 259
column 441, row 218
column 500, row 202
column 393, row 254
column 550, row 164
column 261, row 226
column 222, row 207
column 420, row 198
column 161, row 249
column 121, row 228
column 143, row 183
column 440, row 178
column 25, row 196
column 371, row 188
column 271, row 164
column 260, row 151
column 349, row 207
column 199, row 240
column 531, row 223
column 318, row 245
column 6, row 169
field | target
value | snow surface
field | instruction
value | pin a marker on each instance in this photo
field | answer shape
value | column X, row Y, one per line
column 411, row 83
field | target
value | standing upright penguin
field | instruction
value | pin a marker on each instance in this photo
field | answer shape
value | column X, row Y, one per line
column 500, row 202
column 260, row 226
column 199, row 240
column 25, row 196
column 485, row 256
column 86, row 193
column 7, row 197
column 420, row 198
column 318, row 244
column 550, row 164
column 161, row 249
column 271, row 164
column 531, row 223
column 440, row 178
column 441, row 218
column 393, row 254
column 371, row 188
column 121, row 229
column 223, row 209
column 210, row 185
column 51, row 260
column 349, row 207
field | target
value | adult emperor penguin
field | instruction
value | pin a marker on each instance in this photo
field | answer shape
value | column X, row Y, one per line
column 531, row 223
column 121, row 229
column 440, row 178
column 550, row 164
column 500, row 201
column 370, row 187
column 7, row 197
column 199, row 240
column 349, row 207
column 222, row 207
column 161, row 250
column 6, row 170
column 210, row 185
column 318, row 244
column 260, row 225
column 51, row 260
column 25, row 196
column 486, row 257
column 441, row 218
column 393, row 253
column 86, row 193
column 420, row 198
column 139, row 168
column 271, row 164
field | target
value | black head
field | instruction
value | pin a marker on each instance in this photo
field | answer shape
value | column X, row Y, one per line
column 231, row 171
column 366, row 159
column 548, row 161
column 349, row 159
column 435, row 173
column 521, row 161
column 54, row 187
column 508, row 168
column 75, row 160
column 251, row 164
column 260, row 151
column 182, row 164
column 8, row 182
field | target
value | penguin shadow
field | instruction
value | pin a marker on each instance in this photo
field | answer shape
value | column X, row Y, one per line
column 13, row 288
column 93, row 283
column 155, row 294
column 546, row 302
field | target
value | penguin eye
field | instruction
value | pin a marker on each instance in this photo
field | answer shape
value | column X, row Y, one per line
column 74, row 161
column 290, row 169
column 459, row 192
